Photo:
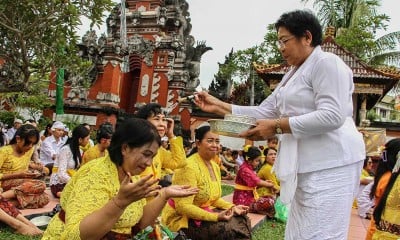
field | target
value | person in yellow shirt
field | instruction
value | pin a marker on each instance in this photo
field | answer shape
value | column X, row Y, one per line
column 266, row 173
column 103, row 137
column 205, row 215
column 386, row 213
column 173, row 158
column 20, row 184
column 106, row 198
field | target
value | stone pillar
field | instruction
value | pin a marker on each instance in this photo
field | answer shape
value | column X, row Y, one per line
column 363, row 111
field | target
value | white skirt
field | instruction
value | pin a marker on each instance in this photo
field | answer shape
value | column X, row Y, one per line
column 322, row 204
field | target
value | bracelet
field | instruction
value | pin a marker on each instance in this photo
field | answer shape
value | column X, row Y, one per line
column 160, row 194
column 278, row 129
column 115, row 203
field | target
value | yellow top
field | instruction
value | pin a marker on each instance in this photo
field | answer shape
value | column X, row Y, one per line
column 195, row 174
column 265, row 173
column 173, row 159
column 93, row 153
column 9, row 163
column 93, row 185
column 390, row 213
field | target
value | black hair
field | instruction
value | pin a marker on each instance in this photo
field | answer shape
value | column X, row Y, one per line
column 251, row 153
column 79, row 131
column 392, row 147
column 25, row 132
column 199, row 135
column 134, row 132
column 298, row 22
column 47, row 130
column 105, row 130
column 149, row 110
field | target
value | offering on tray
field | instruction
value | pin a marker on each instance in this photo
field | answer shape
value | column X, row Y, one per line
column 232, row 125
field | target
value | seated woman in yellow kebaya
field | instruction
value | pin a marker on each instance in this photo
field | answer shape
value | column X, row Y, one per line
column 205, row 215
column 266, row 173
column 106, row 198
column 173, row 158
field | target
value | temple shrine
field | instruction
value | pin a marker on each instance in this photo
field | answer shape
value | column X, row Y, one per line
column 147, row 55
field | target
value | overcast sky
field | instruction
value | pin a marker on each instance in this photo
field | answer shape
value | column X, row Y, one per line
column 227, row 24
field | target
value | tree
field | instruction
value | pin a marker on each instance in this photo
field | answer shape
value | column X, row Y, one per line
column 222, row 83
column 37, row 36
column 356, row 22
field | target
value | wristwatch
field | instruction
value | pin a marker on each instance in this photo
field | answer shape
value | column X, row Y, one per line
column 278, row 129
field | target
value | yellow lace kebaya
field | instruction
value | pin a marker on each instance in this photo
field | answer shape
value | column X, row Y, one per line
column 390, row 216
column 173, row 159
column 266, row 173
column 92, row 187
column 93, row 153
column 195, row 174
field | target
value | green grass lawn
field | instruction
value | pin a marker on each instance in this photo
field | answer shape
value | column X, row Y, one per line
column 269, row 229
column 8, row 233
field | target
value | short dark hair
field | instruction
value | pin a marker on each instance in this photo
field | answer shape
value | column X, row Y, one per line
column 298, row 22
column 134, row 132
column 251, row 153
column 105, row 130
column 149, row 110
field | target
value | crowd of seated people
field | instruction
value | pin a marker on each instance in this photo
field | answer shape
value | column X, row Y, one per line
column 190, row 203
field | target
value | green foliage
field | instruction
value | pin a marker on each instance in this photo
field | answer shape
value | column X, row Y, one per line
column 269, row 229
column 222, row 83
column 227, row 189
column 7, row 117
column 8, row 233
column 372, row 115
column 38, row 35
column 269, row 46
column 357, row 22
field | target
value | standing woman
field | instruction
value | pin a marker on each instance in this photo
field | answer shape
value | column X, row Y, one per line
column 247, row 182
column 19, row 184
column 321, row 151
column 68, row 160
column 205, row 215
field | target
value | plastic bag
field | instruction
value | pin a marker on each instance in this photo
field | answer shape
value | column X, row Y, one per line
column 156, row 232
column 281, row 210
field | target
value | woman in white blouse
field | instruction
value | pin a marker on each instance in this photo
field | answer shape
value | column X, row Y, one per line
column 321, row 152
column 68, row 160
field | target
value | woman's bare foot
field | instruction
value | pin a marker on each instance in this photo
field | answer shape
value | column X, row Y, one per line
column 28, row 230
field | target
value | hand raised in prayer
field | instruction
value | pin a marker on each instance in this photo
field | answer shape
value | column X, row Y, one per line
column 174, row 191
column 169, row 132
column 225, row 215
column 240, row 209
column 130, row 192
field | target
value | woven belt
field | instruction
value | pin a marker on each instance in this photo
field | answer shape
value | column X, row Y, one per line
column 386, row 226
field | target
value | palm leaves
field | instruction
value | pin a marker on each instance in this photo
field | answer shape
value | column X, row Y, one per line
column 359, row 20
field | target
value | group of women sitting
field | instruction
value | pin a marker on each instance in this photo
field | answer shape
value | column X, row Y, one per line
column 117, row 196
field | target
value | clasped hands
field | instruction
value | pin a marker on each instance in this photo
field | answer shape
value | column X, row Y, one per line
column 227, row 214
